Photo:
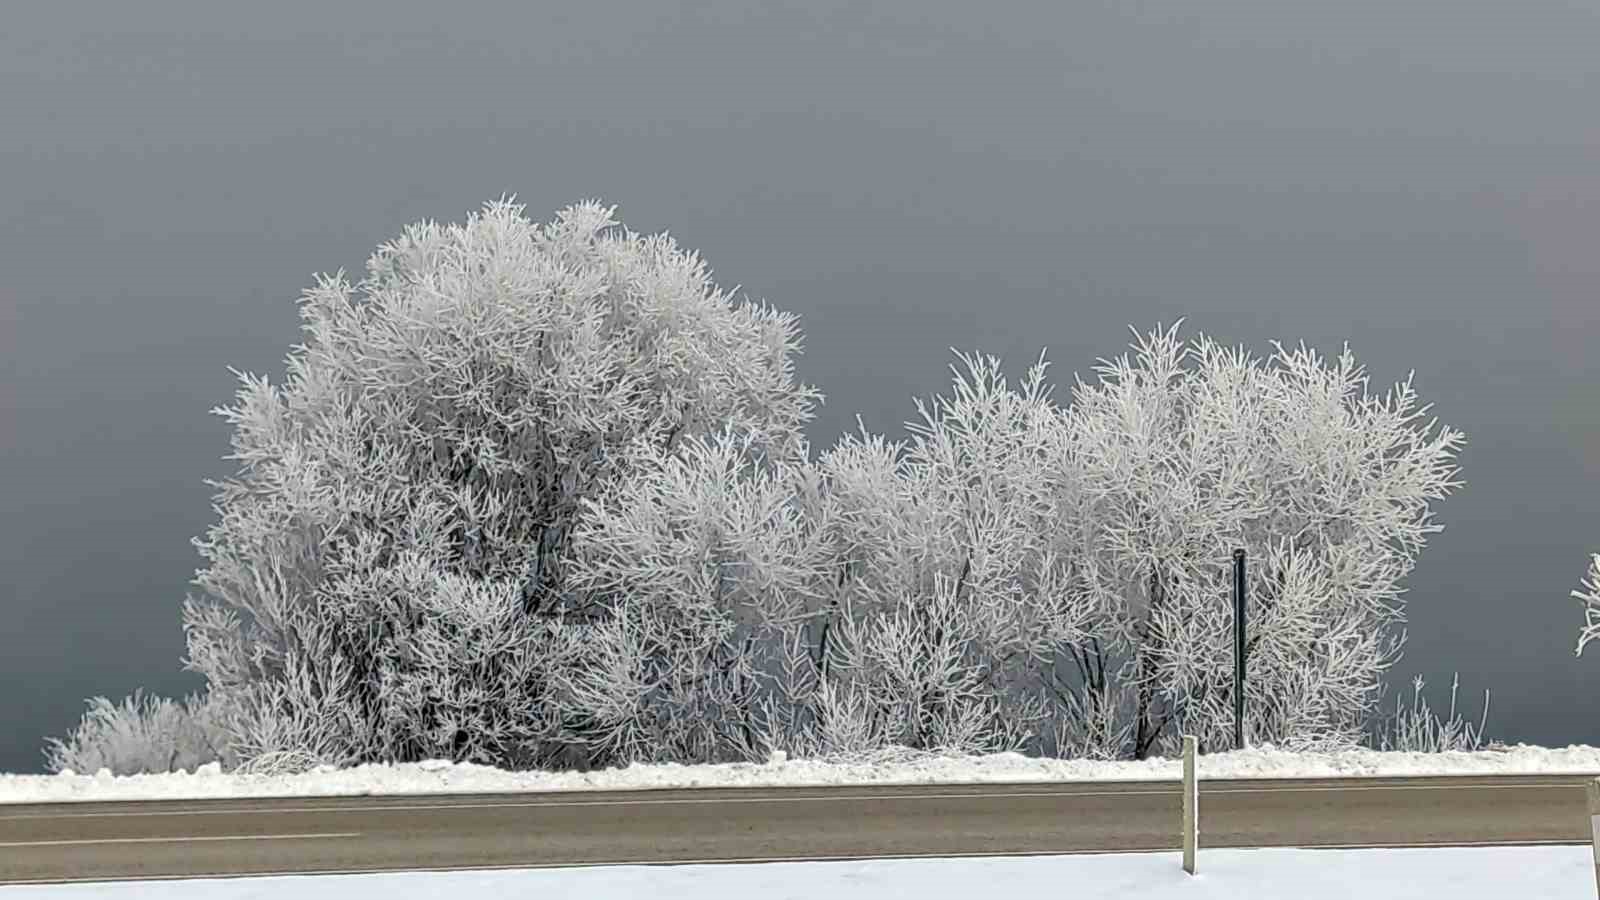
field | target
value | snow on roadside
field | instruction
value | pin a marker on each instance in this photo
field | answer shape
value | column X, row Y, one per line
column 1478, row 873
column 440, row 777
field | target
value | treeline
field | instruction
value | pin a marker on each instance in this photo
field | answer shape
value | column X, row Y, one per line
column 538, row 495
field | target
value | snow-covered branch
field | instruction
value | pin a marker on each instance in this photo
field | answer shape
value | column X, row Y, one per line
column 1589, row 593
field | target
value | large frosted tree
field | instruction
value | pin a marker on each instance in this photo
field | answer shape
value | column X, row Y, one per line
column 388, row 574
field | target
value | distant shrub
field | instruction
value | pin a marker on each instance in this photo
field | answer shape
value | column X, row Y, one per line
column 1589, row 593
column 144, row 734
column 1418, row 729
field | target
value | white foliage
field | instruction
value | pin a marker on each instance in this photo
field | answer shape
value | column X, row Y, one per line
column 1185, row 450
column 387, row 577
column 145, row 734
column 888, row 595
column 694, row 568
column 1589, row 593
column 537, row 495
column 952, row 575
column 1418, row 729
column 1010, row 539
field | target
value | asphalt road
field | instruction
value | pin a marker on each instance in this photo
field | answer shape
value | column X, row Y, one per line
column 99, row 841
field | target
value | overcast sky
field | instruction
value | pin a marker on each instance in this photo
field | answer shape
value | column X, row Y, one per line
column 1421, row 179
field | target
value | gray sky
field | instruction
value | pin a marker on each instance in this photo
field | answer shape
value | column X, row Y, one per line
column 1419, row 177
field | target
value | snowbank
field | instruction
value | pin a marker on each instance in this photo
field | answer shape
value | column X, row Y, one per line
column 1492, row 873
column 900, row 768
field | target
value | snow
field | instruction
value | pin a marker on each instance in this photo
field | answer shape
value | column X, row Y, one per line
column 1491, row 873
column 442, row 777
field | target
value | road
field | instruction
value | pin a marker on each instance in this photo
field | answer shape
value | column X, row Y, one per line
column 99, row 841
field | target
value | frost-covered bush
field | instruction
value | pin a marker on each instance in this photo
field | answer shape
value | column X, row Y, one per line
column 1022, row 576
column 695, row 567
column 1185, row 450
column 887, row 595
column 388, row 576
column 1418, row 729
column 1589, row 594
column 952, row 574
column 145, row 734
column 1015, row 576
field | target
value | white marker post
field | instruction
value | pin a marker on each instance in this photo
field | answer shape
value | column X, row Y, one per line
column 1594, row 827
column 1191, row 808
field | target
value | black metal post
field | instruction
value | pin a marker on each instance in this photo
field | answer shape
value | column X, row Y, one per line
column 1238, row 649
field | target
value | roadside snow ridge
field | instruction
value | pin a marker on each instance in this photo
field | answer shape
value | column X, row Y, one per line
column 444, row 777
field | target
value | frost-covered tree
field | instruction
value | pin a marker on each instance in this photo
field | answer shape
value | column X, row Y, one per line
column 1589, row 594
column 1019, row 576
column 888, row 595
column 1186, row 450
column 951, row 576
column 388, row 576
column 698, row 564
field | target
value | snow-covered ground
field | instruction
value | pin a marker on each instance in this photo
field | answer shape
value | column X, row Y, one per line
column 1495, row 873
column 901, row 768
